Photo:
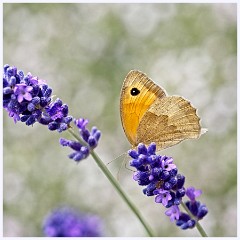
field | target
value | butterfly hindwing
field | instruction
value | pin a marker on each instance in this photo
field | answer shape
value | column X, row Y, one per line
column 168, row 121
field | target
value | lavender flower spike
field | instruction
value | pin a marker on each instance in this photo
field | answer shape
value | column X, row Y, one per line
column 28, row 99
column 173, row 212
column 89, row 138
column 160, row 176
column 67, row 222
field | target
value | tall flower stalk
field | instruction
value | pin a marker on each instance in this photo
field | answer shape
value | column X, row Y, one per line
column 29, row 99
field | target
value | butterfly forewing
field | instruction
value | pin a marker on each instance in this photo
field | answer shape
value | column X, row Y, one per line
column 137, row 95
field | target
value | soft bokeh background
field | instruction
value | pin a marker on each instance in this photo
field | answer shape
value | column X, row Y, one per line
column 84, row 51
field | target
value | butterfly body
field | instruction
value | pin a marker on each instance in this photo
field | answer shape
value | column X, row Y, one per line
column 149, row 115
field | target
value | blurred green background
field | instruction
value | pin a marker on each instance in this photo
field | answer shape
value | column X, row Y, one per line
column 84, row 52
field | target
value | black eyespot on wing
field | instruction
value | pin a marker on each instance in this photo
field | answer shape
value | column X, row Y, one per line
column 134, row 91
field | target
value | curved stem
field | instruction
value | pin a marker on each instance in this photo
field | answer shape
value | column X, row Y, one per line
column 116, row 186
column 198, row 225
column 121, row 192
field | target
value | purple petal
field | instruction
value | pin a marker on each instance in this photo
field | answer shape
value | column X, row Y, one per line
column 173, row 213
column 20, row 98
column 27, row 96
column 28, row 88
column 192, row 193
column 158, row 199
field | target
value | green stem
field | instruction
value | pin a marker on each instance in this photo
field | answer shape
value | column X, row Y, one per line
column 116, row 186
column 121, row 192
column 76, row 136
column 198, row 225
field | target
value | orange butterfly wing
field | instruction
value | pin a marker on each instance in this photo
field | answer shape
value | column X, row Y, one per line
column 137, row 95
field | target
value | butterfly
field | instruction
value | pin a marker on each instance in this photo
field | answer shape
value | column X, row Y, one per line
column 149, row 115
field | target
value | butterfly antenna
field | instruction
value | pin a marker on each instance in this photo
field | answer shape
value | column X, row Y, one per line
column 116, row 158
column 118, row 173
column 125, row 160
column 124, row 163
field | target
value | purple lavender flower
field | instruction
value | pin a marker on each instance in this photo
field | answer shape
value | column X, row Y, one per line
column 81, row 123
column 173, row 212
column 160, row 176
column 89, row 140
column 67, row 222
column 22, row 91
column 80, row 151
column 58, row 113
column 167, row 164
column 192, row 193
column 196, row 208
column 163, row 196
column 28, row 99
column 184, row 221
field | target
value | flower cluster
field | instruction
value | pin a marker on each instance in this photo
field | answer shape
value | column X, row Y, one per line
column 160, row 176
column 197, row 210
column 89, row 140
column 28, row 99
column 67, row 222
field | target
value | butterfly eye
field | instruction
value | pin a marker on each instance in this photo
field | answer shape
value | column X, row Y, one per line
column 134, row 91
